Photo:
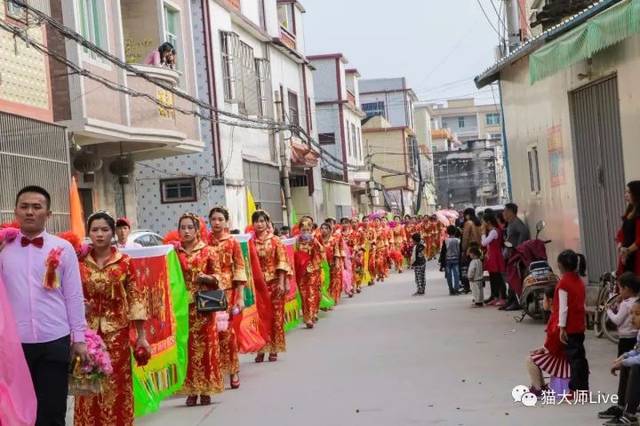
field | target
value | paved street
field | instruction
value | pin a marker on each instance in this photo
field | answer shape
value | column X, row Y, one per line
column 388, row 359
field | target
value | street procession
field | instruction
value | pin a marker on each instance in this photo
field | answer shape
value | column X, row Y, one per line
column 319, row 212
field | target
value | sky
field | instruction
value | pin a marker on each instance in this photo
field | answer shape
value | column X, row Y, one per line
column 438, row 45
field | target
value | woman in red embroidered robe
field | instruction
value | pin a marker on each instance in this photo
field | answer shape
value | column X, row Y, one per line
column 334, row 257
column 232, row 277
column 204, row 376
column 309, row 255
column 275, row 267
column 113, row 303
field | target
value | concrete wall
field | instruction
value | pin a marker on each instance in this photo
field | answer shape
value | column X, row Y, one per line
column 324, row 80
column 531, row 110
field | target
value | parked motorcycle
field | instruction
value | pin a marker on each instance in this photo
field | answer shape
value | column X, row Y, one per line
column 529, row 274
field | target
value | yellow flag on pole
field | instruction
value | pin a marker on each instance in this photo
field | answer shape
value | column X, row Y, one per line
column 251, row 205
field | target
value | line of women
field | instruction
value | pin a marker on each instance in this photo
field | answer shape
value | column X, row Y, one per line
column 357, row 253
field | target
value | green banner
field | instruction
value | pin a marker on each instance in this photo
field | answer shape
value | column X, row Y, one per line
column 167, row 327
column 326, row 301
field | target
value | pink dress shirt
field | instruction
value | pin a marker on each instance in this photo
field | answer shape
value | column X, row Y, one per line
column 43, row 315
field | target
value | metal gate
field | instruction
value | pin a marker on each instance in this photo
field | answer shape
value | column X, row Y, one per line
column 34, row 153
column 264, row 182
column 600, row 180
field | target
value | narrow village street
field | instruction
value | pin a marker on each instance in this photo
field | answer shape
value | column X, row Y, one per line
column 388, row 359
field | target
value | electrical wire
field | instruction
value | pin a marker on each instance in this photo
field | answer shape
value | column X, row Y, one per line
column 484, row 12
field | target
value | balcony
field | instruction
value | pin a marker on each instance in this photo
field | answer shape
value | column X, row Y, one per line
column 288, row 39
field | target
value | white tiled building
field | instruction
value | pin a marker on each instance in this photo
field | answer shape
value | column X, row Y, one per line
column 250, row 61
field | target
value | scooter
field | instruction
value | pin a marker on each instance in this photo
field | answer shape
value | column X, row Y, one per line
column 530, row 261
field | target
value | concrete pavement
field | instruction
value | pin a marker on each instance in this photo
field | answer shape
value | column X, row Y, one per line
column 386, row 358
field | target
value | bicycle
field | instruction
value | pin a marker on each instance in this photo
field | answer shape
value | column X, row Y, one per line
column 607, row 297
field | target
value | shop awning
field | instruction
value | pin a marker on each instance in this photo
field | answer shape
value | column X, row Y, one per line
column 604, row 30
column 302, row 155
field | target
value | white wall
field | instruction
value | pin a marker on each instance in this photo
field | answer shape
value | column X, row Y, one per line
column 324, row 80
column 394, row 103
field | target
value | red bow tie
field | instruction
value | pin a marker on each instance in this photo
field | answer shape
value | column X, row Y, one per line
column 37, row 242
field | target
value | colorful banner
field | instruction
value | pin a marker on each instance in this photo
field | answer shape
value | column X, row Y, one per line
column 366, row 278
column 292, row 317
column 167, row 327
column 326, row 302
column 247, row 326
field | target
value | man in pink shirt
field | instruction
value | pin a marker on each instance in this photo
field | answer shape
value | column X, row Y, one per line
column 49, row 312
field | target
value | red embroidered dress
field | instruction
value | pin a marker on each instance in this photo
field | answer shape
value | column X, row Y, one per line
column 308, row 257
column 273, row 258
column 204, row 375
column 229, row 269
column 112, row 301
column 334, row 255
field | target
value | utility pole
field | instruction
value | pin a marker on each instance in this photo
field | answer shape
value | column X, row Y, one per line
column 284, row 162
column 512, row 9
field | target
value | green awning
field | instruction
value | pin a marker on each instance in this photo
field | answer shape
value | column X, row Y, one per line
column 606, row 29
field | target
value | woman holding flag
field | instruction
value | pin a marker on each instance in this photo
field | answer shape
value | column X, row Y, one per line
column 113, row 301
column 203, row 365
column 232, row 277
column 275, row 267
column 309, row 255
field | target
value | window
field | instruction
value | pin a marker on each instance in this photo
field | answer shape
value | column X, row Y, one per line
column 354, row 150
column 263, row 72
column 534, row 170
column 493, row 119
column 461, row 122
column 358, row 144
column 178, row 190
column 242, row 82
column 349, row 141
column 327, row 138
column 172, row 32
column 16, row 12
column 93, row 22
column 294, row 114
column 286, row 17
column 373, row 109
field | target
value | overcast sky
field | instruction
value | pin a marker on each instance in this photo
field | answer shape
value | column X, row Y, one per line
column 439, row 45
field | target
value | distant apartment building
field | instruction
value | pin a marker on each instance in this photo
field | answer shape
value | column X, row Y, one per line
column 338, row 114
column 426, row 199
column 390, row 98
column 33, row 149
column 250, row 62
column 469, row 158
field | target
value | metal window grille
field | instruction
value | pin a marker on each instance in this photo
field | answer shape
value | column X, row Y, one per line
column 229, row 42
column 263, row 75
column 294, row 111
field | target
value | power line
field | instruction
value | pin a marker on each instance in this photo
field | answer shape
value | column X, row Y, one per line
column 484, row 12
column 78, row 38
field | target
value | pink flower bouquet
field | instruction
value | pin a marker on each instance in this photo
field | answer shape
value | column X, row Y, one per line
column 87, row 378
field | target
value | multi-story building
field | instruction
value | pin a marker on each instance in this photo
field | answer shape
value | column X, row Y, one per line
column 115, row 130
column 426, row 200
column 393, row 159
column 391, row 98
column 470, row 168
column 33, row 150
column 250, row 63
column 339, row 117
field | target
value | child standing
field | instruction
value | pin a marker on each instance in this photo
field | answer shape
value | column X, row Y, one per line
column 476, row 276
column 569, row 306
column 450, row 260
column 419, row 263
column 629, row 361
column 621, row 316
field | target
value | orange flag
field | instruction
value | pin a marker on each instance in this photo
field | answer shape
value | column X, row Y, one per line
column 75, row 206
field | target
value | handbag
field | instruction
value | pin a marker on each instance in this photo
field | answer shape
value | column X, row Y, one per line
column 211, row 301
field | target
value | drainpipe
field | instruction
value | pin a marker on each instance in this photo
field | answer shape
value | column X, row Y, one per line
column 284, row 166
column 505, row 145
column 211, row 81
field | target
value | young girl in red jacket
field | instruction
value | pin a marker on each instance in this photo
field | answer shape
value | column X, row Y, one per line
column 569, row 309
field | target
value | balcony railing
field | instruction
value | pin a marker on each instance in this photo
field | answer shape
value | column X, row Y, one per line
column 287, row 39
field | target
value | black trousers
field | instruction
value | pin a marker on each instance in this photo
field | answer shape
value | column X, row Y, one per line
column 625, row 344
column 49, row 367
column 578, row 361
column 497, row 285
column 632, row 390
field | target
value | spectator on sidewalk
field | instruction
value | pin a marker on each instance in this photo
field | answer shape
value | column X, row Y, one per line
column 569, row 305
column 550, row 358
column 628, row 237
column 621, row 316
column 494, row 261
column 471, row 232
column 516, row 234
column 123, row 230
column 450, row 260
column 419, row 263
column 475, row 276
column 629, row 400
